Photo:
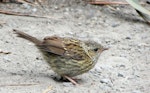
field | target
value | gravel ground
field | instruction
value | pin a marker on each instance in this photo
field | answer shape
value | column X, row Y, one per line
column 124, row 68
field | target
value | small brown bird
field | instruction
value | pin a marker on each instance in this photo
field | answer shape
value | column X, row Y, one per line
column 67, row 57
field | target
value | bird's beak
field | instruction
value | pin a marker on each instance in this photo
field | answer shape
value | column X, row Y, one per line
column 105, row 49
column 101, row 50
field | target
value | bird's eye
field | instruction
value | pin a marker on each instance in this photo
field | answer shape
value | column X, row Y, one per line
column 96, row 49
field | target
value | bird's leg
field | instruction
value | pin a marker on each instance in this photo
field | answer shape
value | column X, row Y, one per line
column 71, row 80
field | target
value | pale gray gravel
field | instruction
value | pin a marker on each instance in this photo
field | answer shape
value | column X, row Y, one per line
column 124, row 68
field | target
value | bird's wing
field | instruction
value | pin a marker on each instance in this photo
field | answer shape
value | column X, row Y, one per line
column 69, row 48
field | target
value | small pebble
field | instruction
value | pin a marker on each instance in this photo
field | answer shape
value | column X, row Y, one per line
column 66, row 91
column 56, row 7
column 128, row 38
column 34, row 9
column 136, row 91
column 106, row 67
column 106, row 81
column 122, row 66
column 67, row 84
column 6, row 59
column 123, row 55
column 66, row 10
column 98, row 69
column 105, row 88
column 79, row 24
column 115, row 25
column 27, row 6
column 120, row 75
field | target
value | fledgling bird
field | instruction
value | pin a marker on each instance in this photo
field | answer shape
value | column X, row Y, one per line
column 67, row 57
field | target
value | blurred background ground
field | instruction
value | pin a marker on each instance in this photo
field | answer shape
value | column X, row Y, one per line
column 124, row 68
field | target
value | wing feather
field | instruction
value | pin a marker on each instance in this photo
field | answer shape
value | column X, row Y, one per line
column 65, row 47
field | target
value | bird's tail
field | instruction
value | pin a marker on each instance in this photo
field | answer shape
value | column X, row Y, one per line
column 27, row 36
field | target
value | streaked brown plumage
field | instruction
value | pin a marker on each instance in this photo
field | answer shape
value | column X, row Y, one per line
column 67, row 57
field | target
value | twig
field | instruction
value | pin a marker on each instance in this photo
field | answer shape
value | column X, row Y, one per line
column 17, row 85
column 112, row 8
column 17, row 1
column 107, row 3
column 4, row 52
column 39, row 3
column 19, row 14
column 48, row 89
column 110, row 3
column 2, row 22
column 27, row 2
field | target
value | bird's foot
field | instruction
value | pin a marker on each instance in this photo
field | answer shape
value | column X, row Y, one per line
column 73, row 81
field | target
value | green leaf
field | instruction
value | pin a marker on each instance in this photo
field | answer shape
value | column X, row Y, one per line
column 144, row 13
column 136, row 5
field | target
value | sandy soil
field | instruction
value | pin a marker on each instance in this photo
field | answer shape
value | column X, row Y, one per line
column 124, row 68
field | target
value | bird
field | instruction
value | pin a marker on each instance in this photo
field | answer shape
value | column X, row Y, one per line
column 68, row 57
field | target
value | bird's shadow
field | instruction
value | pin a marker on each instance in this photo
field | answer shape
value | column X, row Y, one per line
column 53, row 76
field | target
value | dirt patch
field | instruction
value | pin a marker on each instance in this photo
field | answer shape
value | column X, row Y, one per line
column 124, row 68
